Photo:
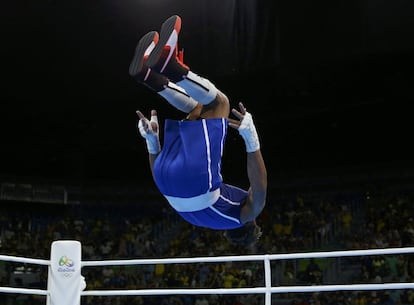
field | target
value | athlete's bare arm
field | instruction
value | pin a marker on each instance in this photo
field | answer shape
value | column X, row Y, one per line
column 256, row 199
column 256, row 169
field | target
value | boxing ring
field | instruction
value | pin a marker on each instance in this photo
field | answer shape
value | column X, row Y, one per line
column 66, row 285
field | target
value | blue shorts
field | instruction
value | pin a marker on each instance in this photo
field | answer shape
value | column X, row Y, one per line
column 224, row 214
column 188, row 173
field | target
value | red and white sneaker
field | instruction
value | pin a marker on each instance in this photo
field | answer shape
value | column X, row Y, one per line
column 165, row 58
column 139, row 68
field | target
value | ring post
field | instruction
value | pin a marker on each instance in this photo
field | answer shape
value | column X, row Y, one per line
column 65, row 282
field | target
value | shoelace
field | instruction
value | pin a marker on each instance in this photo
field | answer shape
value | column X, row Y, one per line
column 180, row 56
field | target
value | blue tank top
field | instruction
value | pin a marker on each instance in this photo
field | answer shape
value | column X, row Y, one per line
column 190, row 161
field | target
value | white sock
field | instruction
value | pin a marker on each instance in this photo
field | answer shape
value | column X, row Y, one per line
column 199, row 88
column 178, row 97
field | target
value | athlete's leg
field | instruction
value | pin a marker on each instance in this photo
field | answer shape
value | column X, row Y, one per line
column 159, row 83
column 166, row 60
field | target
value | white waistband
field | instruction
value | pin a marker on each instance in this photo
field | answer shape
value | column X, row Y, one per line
column 193, row 204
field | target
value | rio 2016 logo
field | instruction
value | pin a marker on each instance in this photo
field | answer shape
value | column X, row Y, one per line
column 66, row 265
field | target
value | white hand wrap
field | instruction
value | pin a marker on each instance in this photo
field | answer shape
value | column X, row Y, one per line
column 249, row 134
column 150, row 135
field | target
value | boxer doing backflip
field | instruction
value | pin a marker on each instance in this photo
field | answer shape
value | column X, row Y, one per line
column 187, row 169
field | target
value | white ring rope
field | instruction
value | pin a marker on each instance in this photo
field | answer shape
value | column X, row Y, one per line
column 25, row 260
column 24, row 291
column 266, row 258
column 246, row 258
column 18, row 259
column 255, row 290
column 258, row 290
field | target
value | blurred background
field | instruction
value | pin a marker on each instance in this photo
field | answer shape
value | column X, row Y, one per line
column 329, row 83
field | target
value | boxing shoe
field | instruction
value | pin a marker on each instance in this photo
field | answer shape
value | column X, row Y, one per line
column 165, row 57
column 139, row 68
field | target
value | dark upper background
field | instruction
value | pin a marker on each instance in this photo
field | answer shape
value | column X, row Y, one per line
column 329, row 83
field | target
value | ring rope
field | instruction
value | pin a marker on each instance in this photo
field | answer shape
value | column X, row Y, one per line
column 267, row 289
column 19, row 259
column 249, row 257
column 255, row 290
column 24, row 291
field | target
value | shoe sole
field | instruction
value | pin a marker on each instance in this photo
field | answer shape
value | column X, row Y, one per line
column 168, row 37
column 144, row 48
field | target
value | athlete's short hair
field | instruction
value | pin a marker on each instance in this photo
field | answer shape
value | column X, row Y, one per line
column 246, row 235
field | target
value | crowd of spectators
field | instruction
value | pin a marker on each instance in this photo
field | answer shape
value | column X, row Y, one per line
column 291, row 223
